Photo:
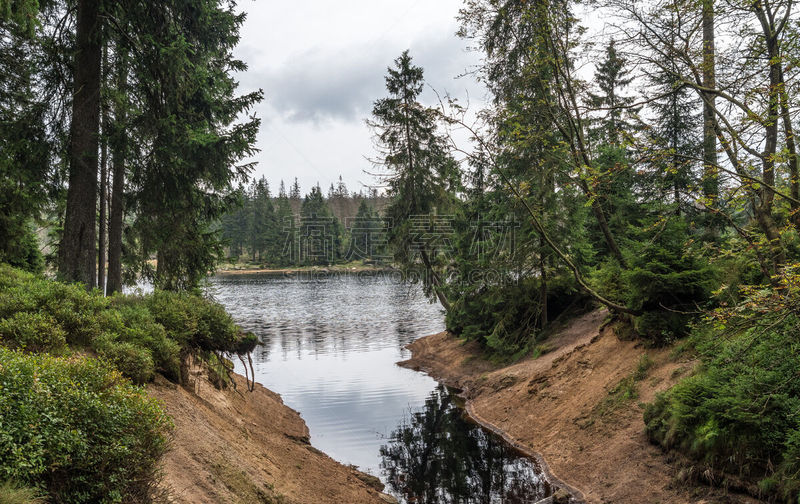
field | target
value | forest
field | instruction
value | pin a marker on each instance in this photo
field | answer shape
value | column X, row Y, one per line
column 316, row 229
column 652, row 170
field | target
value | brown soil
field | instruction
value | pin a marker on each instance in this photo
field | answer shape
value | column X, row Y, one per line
column 569, row 406
column 248, row 447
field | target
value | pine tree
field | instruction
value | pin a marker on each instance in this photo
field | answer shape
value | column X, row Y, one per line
column 612, row 77
column 193, row 138
column 77, row 252
column 676, row 139
column 320, row 232
column 420, row 170
column 25, row 148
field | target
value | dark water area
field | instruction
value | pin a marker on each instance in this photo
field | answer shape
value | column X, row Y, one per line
column 330, row 345
column 437, row 455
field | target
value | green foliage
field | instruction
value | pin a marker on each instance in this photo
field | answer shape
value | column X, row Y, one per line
column 421, row 174
column 140, row 335
column 505, row 319
column 741, row 412
column 75, row 428
column 135, row 362
column 667, row 281
column 195, row 322
column 34, row 332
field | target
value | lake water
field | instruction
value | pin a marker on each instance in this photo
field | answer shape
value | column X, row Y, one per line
column 330, row 348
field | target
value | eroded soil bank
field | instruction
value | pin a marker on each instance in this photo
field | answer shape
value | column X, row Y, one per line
column 579, row 406
column 248, row 447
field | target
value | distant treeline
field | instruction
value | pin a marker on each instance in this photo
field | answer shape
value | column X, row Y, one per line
column 288, row 229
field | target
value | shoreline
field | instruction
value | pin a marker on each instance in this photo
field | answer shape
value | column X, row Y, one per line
column 335, row 269
column 560, row 409
column 249, row 447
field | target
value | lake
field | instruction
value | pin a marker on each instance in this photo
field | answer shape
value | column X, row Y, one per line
column 330, row 344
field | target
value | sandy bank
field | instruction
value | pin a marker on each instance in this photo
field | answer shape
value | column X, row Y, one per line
column 240, row 447
column 569, row 405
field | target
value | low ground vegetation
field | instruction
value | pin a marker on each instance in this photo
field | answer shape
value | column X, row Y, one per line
column 76, row 426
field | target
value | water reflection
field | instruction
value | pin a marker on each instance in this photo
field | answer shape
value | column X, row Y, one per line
column 438, row 457
column 330, row 347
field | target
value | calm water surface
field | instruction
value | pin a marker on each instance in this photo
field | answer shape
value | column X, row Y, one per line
column 330, row 347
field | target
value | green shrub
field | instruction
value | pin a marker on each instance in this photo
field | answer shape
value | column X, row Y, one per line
column 135, row 362
column 34, row 332
column 667, row 281
column 22, row 251
column 77, row 429
column 506, row 319
column 741, row 412
column 195, row 322
column 139, row 334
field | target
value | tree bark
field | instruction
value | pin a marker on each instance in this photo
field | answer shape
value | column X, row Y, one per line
column 119, row 148
column 77, row 253
column 103, row 224
column 766, row 196
column 710, row 175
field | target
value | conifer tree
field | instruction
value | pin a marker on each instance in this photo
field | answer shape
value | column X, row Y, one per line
column 419, row 169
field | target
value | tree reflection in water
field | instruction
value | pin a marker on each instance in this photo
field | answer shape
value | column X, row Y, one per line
column 439, row 457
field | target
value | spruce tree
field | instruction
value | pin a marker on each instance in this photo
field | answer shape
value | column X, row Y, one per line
column 419, row 170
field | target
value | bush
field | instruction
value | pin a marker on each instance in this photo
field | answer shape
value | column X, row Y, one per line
column 666, row 281
column 739, row 414
column 77, row 429
column 139, row 334
column 34, row 332
column 133, row 361
column 506, row 319
column 195, row 322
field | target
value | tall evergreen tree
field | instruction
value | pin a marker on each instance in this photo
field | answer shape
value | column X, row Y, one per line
column 25, row 149
column 77, row 252
column 611, row 78
column 186, row 180
column 419, row 170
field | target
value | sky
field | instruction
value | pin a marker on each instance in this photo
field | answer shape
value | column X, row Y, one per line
column 321, row 65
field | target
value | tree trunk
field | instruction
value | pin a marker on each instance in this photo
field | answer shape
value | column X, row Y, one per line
column 119, row 148
column 436, row 281
column 543, row 279
column 766, row 196
column 791, row 146
column 710, row 175
column 77, row 253
column 103, row 224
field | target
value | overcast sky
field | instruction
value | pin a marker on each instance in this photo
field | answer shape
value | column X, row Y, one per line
column 321, row 65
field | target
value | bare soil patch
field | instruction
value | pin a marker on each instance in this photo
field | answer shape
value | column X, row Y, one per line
column 579, row 406
column 241, row 447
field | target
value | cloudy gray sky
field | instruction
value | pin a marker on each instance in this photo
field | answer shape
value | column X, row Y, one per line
column 321, row 65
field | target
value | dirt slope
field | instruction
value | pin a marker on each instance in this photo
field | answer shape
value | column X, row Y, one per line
column 569, row 405
column 240, row 447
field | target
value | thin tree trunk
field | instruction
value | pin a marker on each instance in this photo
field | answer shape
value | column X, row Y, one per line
column 764, row 210
column 791, row 146
column 119, row 148
column 543, row 286
column 710, row 175
column 77, row 253
column 103, row 224
column 437, row 282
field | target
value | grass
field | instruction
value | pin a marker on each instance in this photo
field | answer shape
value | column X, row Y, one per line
column 626, row 391
column 11, row 493
column 242, row 486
